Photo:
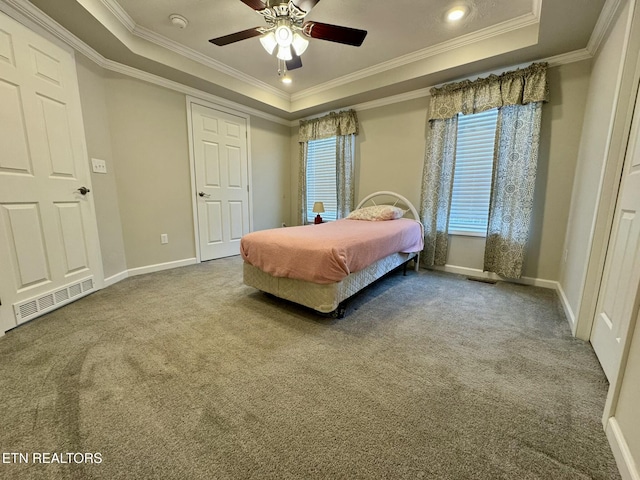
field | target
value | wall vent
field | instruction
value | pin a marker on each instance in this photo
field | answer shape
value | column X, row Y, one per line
column 29, row 308
column 75, row 290
column 36, row 306
column 45, row 302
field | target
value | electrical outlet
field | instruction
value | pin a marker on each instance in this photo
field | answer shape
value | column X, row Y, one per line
column 565, row 255
column 98, row 166
column 164, row 238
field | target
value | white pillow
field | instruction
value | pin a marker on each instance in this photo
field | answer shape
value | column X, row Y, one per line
column 376, row 213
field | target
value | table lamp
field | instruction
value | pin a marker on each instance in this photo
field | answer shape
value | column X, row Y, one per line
column 318, row 207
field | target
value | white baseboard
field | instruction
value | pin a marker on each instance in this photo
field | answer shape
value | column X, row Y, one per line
column 568, row 311
column 476, row 272
column 536, row 282
column 115, row 278
column 161, row 266
column 132, row 272
column 626, row 464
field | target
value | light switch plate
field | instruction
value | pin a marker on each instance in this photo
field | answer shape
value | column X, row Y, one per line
column 99, row 166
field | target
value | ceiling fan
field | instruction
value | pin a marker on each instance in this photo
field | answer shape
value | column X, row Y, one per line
column 286, row 28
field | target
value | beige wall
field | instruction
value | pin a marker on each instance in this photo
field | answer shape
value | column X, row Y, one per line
column 559, row 144
column 271, row 166
column 596, row 131
column 151, row 154
column 390, row 155
column 104, row 191
column 140, row 129
column 390, row 149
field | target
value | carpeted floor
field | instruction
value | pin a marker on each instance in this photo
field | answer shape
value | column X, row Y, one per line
column 189, row 374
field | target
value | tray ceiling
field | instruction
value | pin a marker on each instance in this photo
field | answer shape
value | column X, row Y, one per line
column 409, row 45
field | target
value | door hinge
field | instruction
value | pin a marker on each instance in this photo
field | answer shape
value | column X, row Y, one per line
column 247, row 188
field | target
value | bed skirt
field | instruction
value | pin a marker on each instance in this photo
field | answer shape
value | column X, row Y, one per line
column 323, row 298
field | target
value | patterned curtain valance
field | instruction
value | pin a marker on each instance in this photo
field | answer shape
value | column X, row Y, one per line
column 518, row 87
column 331, row 125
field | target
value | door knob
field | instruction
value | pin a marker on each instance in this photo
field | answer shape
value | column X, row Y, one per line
column 84, row 190
column 202, row 194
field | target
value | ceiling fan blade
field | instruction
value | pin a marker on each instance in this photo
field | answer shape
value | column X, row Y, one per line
column 305, row 5
column 236, row 37
column 255, row 4
column 295, row 62
column 334, row 33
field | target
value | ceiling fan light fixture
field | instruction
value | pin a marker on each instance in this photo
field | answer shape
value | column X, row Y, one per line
column 299, row 43
column 284, row 36
column 269, row 42
column 284, row 53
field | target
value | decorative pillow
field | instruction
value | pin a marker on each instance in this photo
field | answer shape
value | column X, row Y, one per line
column 376, row 213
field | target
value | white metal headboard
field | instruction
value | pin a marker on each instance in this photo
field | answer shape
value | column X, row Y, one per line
column 397, row 196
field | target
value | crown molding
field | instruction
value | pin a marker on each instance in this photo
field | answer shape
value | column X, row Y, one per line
column 486, row 33
column 120, row 13
column 536, row 8
column 383, row 102
column 196, row 56
column 27, row 10
column 569, row 57
column 555, row 61
column 444, row 47
column 150, row 36
column 33, row 14
column 605, row 19
column 194, row 92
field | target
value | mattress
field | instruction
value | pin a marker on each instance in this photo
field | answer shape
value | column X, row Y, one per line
column 322, row 297
column 328, row 252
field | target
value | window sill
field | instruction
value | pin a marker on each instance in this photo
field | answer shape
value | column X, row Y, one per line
column 463, row 233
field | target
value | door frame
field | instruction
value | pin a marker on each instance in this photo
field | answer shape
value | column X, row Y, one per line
column 192, row 163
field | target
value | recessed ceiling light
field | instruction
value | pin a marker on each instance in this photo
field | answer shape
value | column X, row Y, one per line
column 456, row 13
column 286, row 79
column 178, row 21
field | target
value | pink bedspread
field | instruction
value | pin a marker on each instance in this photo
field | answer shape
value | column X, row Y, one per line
column 328, row 252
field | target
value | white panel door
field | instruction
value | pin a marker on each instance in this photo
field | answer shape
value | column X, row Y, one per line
column 618, row 298
column 221, row 180
column 49, row 252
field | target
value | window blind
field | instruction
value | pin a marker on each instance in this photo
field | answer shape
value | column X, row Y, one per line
column 472, row 176
column 321, row 177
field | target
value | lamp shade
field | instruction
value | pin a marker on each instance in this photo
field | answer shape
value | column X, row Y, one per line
column 299, row 43
column 318, row 207
column 269, row 42
column 284, row 53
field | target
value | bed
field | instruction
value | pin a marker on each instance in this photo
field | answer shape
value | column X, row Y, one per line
column 322, row 266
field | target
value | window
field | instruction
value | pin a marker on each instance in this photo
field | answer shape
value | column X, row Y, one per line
column 472, row 175
column 321, row 177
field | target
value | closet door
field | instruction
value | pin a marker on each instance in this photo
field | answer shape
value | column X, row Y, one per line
column 619, row 296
